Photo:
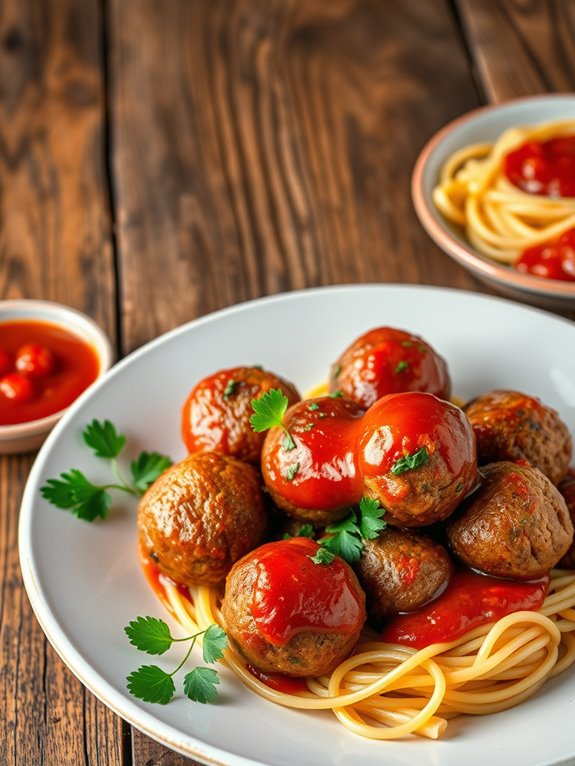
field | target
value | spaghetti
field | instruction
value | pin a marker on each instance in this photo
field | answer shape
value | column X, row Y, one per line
column 498, row 218
column 386, row 691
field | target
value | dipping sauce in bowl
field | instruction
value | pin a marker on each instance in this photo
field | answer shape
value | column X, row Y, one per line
column 49, row 355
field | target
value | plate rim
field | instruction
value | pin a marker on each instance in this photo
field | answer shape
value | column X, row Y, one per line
column 119, row 703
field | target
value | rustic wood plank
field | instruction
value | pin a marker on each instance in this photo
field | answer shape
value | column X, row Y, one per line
column 258, row 154
column 55, row 243
column 521, row 48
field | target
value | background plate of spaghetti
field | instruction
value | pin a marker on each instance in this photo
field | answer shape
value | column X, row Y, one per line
column 487, row 226
column 85, row 581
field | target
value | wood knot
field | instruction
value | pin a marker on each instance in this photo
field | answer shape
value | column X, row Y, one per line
column 13, row 40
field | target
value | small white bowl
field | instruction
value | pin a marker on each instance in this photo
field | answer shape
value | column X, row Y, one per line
column 485, row 125
column 25, row 437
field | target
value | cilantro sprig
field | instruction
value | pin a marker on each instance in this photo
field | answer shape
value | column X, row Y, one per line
column 151, row 683
column 345, row 537
column 269, row 411
column 73, row 491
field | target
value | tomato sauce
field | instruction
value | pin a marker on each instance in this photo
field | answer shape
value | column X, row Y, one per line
column 543, row 167
column 157, row 581
column 293, row 593
column 553, row 260
column 43, row 369
column 470, row 600
column 279, row 682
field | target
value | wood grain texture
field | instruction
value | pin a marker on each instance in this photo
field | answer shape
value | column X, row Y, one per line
column 54, row 244
column 521, row 47
column 257, row 155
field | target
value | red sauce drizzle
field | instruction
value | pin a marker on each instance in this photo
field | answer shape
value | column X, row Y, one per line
column 553, row 260
column 157, row 581
column 31, row 392
column 543, row 167
column 470, row 600
column 279, row 682
column 293, row 593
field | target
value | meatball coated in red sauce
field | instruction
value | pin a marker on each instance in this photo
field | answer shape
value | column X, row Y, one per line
column 201, row 516
column 400, row 571
column 216, row 414
column 417, row 456
column 515, row 525
column 315, row 481
column 510, row 425
column 567, row 490
column 414, row 452
column 388, row 361
column 285, row 613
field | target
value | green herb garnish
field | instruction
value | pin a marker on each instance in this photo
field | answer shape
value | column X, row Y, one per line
column 306, row 530
column 401, row 367
column 73, row 492
column 291, row 471
column 313, row 406
column 269, row 411
column 336, row 394
column 345, row 537
column 322, row 556
column 230, row 388
column 152, row 684
column 409, row 462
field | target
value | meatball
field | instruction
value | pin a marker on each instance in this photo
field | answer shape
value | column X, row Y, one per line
column 388, row 361
column 567, row 489
column 201, row 516
column 286, row 612
column 515, row 525
column 510, row 425
column 417, row 457
column 216, row 415
column 400, row 571
column 314, row 480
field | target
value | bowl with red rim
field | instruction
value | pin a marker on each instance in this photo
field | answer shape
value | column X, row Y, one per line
column 486, row 124
column 49, row 355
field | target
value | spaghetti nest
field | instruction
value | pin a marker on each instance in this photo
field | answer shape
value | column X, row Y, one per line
column 499, row 219
column 386, row 691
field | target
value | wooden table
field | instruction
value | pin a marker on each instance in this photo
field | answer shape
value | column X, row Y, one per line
column 159, row 160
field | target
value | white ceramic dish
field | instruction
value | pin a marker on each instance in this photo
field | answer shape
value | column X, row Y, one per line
column 480, row 125
column 24, row 437
column 84, row 580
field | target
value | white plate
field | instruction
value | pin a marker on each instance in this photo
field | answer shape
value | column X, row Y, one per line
column 84, row 580
column 484, row 125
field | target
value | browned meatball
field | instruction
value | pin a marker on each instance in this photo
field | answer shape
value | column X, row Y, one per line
column 216, row 415
column 510, row 425
column 567, row 489
column 515, row 525
column 201, row 516
column 400, row 571
column 285, row 612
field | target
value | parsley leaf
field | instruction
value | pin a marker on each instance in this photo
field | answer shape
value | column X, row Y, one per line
column 200, row 685
column 230, row 388
column 323, row 556
column 345, row 537
column 151, row 684
column 73, row 492
column 291, row 471
column 103, row 439
column 371, row 523
column 269, row 410
column 149, row 634
column 345, row 544
column 401, row 367
column 215, row 641
column 410, row 461
column 146, row 469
